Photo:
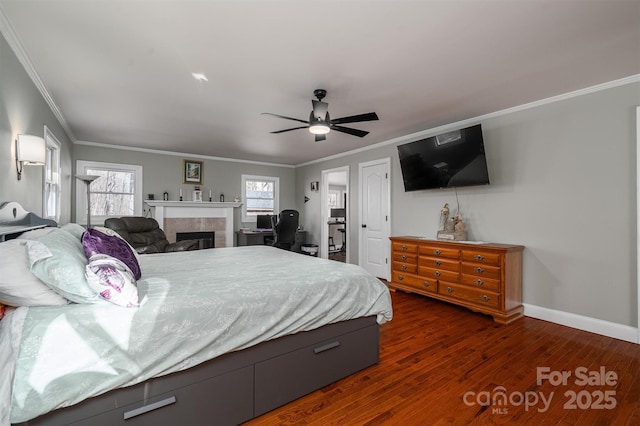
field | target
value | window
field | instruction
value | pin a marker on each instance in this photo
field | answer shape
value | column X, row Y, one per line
column 259, row 196
column 51, row 189
column 117, row 192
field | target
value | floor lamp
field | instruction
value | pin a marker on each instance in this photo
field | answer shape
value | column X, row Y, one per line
column 87, row 179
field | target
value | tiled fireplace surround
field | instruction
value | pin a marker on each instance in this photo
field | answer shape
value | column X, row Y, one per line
column 189, row 216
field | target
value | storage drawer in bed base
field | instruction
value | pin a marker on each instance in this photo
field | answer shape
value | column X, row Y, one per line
column 234, row 387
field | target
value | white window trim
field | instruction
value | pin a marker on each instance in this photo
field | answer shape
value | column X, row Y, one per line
column 81, row 189
column 51, row 141
column 276, row 195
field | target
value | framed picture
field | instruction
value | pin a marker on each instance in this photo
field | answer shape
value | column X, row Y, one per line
column 192, row 172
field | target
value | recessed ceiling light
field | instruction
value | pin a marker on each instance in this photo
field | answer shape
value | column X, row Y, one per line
column 199, row 76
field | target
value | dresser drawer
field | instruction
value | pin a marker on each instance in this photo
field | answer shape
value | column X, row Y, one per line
column 405, row 257
column 439, row 251
column 405, row 247
column 479, row 256
column 439, row 263
column 410, row 268
column 420, row 283
column 439, row 274
column 471, row 295
column 481, row 282
column 481, row 270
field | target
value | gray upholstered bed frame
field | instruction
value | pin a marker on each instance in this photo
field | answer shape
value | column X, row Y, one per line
column 237, row 386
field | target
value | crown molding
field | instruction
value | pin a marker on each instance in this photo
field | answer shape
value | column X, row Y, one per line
column 180, row 154
column 475, row 120
column 14, row 43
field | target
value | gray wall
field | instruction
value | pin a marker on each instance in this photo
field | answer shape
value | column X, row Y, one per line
column 24, row 110
column 162, row 172
column 562, row 184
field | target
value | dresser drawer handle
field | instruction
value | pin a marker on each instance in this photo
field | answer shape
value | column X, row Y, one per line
column 404, row 257
column 438, row 263
column 437, row 252
column 437, row 273
column 404, row 267
column 479, row 270
column 149, row 407
column 449, row 290
column 400, row 277
column 485, row 298
column 404, row 248
column 479, row 282
column 426, row 284
column 479, row 257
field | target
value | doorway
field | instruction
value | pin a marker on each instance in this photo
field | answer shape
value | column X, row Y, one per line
column 334, row 214
column 375, row 217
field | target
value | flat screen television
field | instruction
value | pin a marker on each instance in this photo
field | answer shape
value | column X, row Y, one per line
column 452, row 159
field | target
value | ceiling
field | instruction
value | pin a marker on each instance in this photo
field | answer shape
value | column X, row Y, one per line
column 119, row 72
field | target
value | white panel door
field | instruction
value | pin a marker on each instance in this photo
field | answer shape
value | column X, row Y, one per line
column 374, row 223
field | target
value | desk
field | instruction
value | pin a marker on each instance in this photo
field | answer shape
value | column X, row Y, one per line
column 257, row 238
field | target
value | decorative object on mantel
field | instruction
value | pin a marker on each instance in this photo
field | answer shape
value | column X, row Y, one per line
column 87, row 179
column 236, row 199
column 180, row 194
column 221, row 197
column 192, row 172
column 210, row 196
column 197, row 194
column 165, row 196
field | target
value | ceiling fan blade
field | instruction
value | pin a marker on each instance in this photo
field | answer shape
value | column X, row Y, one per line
column 288, row 130
column 286, row 118
column 370, row 116
column 321, row 138
column 349, row 130
column 320, row 109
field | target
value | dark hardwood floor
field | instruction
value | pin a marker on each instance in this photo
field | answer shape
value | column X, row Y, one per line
column 442, row 364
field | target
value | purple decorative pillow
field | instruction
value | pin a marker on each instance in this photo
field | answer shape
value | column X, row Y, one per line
column 96, row 242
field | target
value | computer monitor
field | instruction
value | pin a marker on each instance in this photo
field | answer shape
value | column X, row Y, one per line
column 263, row 221
column 338, row 212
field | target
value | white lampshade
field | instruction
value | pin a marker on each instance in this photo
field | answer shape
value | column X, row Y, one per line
column 30, row 150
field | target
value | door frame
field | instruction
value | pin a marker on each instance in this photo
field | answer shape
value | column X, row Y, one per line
column 381, row 161
column 324, row 211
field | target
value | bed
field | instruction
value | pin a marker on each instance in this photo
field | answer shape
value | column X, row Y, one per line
column 221, row 336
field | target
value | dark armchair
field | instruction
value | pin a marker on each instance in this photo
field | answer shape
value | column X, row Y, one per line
column 145, row 236
column 284, row 229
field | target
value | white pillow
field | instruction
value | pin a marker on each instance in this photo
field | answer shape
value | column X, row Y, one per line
column 18, row 285
column 112, row 280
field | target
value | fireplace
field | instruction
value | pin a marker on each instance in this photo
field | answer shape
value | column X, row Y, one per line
column 205, row 239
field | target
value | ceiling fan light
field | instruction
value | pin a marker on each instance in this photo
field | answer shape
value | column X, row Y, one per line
column 319, row 128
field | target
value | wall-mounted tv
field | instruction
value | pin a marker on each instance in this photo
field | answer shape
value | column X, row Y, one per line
column 452, row 159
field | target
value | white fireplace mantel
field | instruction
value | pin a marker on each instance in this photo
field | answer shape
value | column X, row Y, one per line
column 195, row 209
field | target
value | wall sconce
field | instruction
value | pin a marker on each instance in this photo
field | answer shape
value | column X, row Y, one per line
column 30, row 150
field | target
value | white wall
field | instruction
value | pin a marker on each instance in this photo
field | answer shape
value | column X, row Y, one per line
column 562, row 184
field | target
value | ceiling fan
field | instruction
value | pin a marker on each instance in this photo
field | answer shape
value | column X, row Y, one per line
column 320, row 123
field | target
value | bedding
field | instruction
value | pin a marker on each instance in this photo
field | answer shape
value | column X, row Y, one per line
column 199, row 305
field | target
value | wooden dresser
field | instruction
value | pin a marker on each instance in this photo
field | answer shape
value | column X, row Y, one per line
column 485, row 278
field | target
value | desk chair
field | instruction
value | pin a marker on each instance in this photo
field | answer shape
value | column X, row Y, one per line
column 284, row 230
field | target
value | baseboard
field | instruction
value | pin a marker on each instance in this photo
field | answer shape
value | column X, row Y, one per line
column 593, row 325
